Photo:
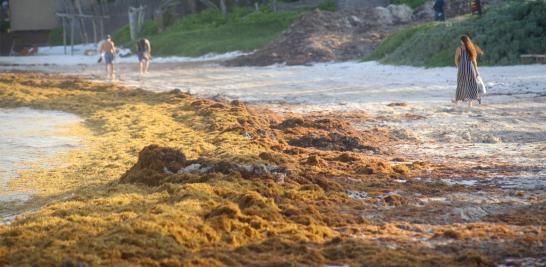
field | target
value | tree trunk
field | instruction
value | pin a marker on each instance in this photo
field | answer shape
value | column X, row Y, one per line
column 223, row 7
column 193, row 6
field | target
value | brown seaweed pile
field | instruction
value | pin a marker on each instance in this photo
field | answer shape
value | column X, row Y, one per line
column 173, row 180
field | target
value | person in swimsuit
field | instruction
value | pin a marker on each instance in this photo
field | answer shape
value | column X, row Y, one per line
column 466, row 56
column 144, row 53
column 108, row 50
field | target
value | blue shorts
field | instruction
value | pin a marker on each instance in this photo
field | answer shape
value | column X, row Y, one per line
column 108, row 58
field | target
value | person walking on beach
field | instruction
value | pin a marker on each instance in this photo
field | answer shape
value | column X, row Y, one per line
column 144, row 53
column 439, row 10
column 466, row 56
column 108, row 50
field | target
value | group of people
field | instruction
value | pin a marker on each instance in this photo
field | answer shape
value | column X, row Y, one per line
column 107, row 50
column 470, row 87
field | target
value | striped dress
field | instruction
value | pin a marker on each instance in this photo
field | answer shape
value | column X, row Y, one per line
column 467, row 84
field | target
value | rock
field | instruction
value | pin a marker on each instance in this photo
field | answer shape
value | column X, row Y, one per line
column 382, row 15
column 424, row 12
column 401, row 13
column 354, row 20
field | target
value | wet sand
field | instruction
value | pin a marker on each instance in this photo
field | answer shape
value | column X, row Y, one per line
column 28, row 139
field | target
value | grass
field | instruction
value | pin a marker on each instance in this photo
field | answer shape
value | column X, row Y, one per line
column 396, row 40
column 504, row 34
column 328, row 5
column 55, row 37
column 410, row 3
column 210, row 32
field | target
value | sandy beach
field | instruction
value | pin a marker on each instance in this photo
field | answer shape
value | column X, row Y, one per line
column 492, row 157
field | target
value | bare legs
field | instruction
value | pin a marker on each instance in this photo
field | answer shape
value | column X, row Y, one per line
column 143, row 66
column 470, row 102
column 110, row 72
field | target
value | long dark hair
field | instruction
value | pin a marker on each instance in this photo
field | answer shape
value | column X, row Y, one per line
column 472, row 49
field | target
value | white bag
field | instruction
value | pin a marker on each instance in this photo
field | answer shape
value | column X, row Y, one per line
column 481, row 86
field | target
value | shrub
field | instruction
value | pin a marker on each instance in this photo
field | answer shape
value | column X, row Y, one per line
column 55, row 36
column 411, row 3
column 210, row 32
column 328, row 5
column 504, row 34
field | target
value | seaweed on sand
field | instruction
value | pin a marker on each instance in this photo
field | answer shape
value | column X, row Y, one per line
column 222, row 186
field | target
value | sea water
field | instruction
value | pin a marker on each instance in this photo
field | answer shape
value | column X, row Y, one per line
column 28, row 136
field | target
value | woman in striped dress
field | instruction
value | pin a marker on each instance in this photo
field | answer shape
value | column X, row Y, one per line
column 466, row 57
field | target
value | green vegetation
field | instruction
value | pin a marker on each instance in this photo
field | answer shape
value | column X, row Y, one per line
column 55, row 37
column 210, row 32
column 4, row 26
column 411, row 3
column 504, row 34
column 396, row 40
column 328, row 5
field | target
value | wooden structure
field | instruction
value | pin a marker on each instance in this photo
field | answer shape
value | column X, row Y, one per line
column 533, row 59
column 32, row 15
column 102, row 16
column 70, row 20
column 136, row 20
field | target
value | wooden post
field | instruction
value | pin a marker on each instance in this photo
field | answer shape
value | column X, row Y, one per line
column 132, row 13
column 136, row 20
column 94, row 30
column 102, row 29
column 63, row 21
column 223, row 7
column 275, row 6
column 72, row 19
column 193, row 6
column 83, row 28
